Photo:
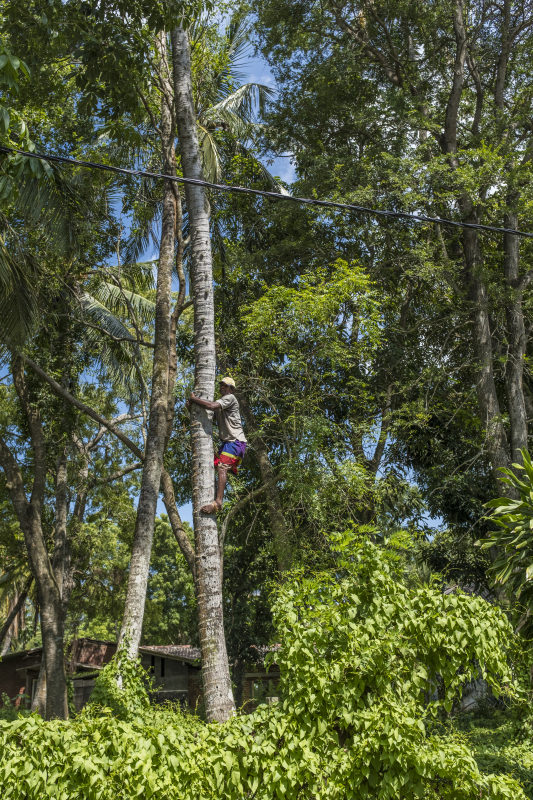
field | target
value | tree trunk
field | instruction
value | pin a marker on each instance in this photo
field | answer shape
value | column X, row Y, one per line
column 5, row 637
column 275, row 510
column 218, row 693
column 157, row 425
column 29, row 518
column 53, row 640
column 516, row 339
column 62, row 557
column 489, row 407
column 39, row 698
column 167, row 488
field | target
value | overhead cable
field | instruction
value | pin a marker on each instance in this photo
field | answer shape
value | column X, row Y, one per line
column 309, row 201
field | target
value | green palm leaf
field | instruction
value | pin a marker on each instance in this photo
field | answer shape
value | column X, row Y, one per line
column 211, row 162
column 19, row 309
column 96, row 312
column 237, row 109
column 514, row 537
column 114, row 300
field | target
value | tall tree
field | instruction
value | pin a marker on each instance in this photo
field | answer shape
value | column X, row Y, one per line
column 215, row 669
column 451, row 119
column 149, row 70
column 159, row 398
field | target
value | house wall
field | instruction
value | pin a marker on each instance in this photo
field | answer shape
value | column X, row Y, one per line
column 257, row 687
column 11, row 682
column 82, row 693
column 14, row 678
column 166, row 673
column 170, row 679
column 173, row 680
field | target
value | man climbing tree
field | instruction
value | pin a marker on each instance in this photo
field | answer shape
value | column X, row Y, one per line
column 233, row 441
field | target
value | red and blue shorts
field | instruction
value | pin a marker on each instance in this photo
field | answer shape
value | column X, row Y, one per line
column 230, row 455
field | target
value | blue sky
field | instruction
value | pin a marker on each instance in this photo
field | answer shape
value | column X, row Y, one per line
column 258, row 71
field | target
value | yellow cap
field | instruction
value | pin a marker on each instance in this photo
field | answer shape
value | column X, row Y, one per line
column 228, row 382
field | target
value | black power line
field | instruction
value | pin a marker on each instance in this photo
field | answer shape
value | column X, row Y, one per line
column 269, row 195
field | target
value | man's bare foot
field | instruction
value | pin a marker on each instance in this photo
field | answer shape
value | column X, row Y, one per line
column 211, row 508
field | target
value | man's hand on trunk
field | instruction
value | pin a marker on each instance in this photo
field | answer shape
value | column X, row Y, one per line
column 201, row 402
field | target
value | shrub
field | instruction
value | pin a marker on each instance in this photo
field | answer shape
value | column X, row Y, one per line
column 9, row 710
column 358, row 654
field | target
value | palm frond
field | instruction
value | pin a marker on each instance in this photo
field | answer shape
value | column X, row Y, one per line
column 138, row 275
column 119, row 361
column 144, row 229
column 265, row 173
column 114, row 299
column 238, row 35
column 56, row 206
column 97, row 313
column 55, row 210
column 211, row 163
column 223, row 82
column 19, row 278
column 117, row 365
column 240, row 103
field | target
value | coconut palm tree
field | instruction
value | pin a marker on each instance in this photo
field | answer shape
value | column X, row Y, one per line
column 227, row 104
column 211, row 128
column 228, row 111
column 219, row 123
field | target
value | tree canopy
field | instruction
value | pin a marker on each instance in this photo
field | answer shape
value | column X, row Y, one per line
column 382, row 372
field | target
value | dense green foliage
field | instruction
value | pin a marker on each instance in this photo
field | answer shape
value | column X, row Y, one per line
column 492, row 735
column 353, row 343
column 513, row 566
column 359, row 653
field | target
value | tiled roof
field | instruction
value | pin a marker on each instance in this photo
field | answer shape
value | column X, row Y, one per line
column 176, row 650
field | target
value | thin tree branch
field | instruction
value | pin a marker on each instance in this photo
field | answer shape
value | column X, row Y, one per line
column 175, row 521
column 115, row 475
column 55, row 386
column 149, row 111
column 237, row 507
column 169, row 499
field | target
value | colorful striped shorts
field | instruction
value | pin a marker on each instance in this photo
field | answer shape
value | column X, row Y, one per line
column 230, row 455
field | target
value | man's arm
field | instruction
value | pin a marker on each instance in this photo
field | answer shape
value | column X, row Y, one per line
column 204, row 403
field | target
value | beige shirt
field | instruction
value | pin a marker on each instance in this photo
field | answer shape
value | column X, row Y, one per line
column 228, row 418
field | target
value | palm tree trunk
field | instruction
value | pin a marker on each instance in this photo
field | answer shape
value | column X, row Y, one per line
column 155, row 441
column 218, row 695
column 39, row 698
